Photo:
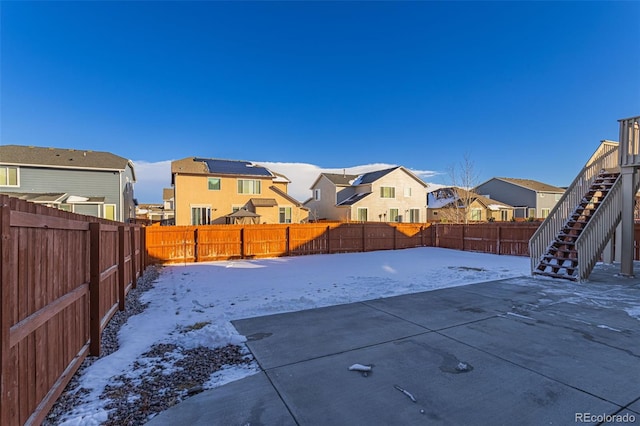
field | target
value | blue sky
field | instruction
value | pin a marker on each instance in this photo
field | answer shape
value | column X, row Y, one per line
column 524, row 89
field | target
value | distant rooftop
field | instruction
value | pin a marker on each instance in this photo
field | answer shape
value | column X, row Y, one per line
column 60, row 157
column 532, row 184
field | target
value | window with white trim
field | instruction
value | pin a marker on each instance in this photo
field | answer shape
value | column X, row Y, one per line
column 362, row 214
column 9, row 176
column 285, row 214
column 316, row 194
column 414, row 215
column 407, row 191
column 504, row 215
column 545, row 212
column 213, row 184
column 249, row 186
column 200, row 215
column 476, row 214
column 387, row 192
column 393, row 215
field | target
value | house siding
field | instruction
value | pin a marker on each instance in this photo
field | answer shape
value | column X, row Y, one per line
column 193, row 190
column 378, row 207
column 514, row 195
column 326, row 208
column 87, row 183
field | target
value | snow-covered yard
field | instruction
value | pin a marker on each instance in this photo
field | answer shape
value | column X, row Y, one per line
column 192, row 305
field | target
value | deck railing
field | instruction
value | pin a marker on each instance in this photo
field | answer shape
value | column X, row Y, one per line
column 605, row 157
column 630, row 141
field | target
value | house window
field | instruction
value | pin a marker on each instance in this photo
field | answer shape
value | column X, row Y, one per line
column 393, row 215
column 414, row 215
column 248, row 186
column 362, row 214
column 66, row 207
column 504, row 215
column 407, row 191
column 558, row 196
column 387, row 192
column 214, row 184
column 9, row 176
column 110, row 211
column 316, row 194
column 201, row 215
column 285, row 214
column 532, row 212
column 476, row 214
column 235, row 208
column 545, row 212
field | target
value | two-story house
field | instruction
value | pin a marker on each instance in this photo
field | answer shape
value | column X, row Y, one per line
column 389, row 195
column 215, row 191
column 81, row 181
column 457, row 205
column 530, row 198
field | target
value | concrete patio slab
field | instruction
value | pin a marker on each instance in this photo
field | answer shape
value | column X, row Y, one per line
column 559, row 352
column 537, row 351
column 282, row 339
column 249, row 401
column 440, row 309
column 488, row 390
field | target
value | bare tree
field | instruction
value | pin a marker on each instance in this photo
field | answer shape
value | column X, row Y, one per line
column 464, row 179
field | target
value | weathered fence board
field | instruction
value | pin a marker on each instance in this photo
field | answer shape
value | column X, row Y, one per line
column 47, row 308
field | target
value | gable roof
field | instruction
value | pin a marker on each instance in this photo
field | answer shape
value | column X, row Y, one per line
column 533, row 185
column 287, row 196
column 62, row 158
column 340, row 179
column 216, row 166
column 167, row 194
column 444, row 196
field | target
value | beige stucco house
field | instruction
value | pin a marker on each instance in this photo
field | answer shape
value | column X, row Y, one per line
column 452, row 204
column 389, row 195
column 215, row 191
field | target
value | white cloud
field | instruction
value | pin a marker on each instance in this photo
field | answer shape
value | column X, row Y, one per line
column 152, row 177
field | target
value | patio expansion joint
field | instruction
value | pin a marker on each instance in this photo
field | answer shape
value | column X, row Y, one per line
column 372, row 345
column 620, row 408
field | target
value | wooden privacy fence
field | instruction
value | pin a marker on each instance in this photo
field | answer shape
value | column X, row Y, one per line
column 63, row 276
column 174, row 244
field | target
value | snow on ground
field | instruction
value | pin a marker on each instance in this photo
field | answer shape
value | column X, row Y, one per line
column 218, row 292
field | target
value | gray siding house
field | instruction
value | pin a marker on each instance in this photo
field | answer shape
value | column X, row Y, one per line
column 85, row 182
column 530, row 198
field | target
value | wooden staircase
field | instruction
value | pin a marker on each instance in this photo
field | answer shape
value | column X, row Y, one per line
column 561, row 258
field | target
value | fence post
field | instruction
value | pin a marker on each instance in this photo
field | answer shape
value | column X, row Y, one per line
column 195, row 245
column 8, row 384
column 288, row 241
column 241, row 243
column 143, row 249
column 498, row 242
column 463, row 226
column 328, row 239
column 363, row 236
column 94, row 289
column 121, row 272
column 395, row 231
column 134, row 270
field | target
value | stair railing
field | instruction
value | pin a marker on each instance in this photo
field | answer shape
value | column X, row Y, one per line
column 600, row 228
column 605, row 157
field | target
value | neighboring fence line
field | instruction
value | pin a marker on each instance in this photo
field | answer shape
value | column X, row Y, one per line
column 175, row 244
column 63, row 276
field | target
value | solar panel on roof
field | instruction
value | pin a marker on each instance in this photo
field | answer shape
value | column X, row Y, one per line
column 230, row 167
